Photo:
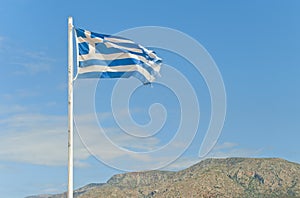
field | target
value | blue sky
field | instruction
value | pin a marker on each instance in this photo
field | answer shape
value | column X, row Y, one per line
column 255, row 45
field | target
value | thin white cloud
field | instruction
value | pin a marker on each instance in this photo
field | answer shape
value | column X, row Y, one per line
column 222, row 150
column 37, row 139
column 42, row 139
column 89, row 133
column 231, row 149
column 237, row 152
column 1, row 41
column 12, row 109
column 52, row 189
column 182, row 163
column 25, row 93
column 34, row 67
column 35, row 62
column 38, row 56
column 17, row 95
column 32, row 61
column 225, row 145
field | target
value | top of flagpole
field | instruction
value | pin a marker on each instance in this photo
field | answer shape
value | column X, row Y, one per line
column 70, row 21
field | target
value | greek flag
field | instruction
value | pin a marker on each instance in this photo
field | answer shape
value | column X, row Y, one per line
column 107, row 56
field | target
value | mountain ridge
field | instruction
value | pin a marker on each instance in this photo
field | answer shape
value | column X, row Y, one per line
column 228, row 177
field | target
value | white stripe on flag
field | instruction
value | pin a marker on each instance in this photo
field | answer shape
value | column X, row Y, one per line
column 89, row 39
column 118, row 40
column 124, row 68
column 117, row 56
column 113, row 45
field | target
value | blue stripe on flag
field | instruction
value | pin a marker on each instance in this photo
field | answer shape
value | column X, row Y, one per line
column 131, row 45
column 83, row 48
column 102, row 49
column 114, row 75
column 80, row 33
column 117, row 62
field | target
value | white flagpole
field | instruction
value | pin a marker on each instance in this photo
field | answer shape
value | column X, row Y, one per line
column 70, row 107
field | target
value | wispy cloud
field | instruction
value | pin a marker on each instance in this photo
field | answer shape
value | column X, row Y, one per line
column 16, row 95
column 182, row 163
column 12, row 109
column 30, row 61
column 42, row 139
column 231, row 149
column 1, row 41
column 221, row 150
column 38, row 55
column 225, row 145
column 33, row 67
column 33, row 63
column 37, row 139
column 53, row 189
column 3, row 46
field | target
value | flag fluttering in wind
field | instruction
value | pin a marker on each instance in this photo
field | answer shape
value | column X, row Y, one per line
column 107, row 56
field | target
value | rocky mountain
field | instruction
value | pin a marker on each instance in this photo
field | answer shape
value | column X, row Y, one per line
column 232, row 177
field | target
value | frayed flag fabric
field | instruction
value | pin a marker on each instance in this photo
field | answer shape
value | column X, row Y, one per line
column 108, row 56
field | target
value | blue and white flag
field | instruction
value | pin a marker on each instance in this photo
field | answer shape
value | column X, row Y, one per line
column 107, row 56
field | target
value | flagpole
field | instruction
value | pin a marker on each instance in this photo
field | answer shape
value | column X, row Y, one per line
column 70, row 107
